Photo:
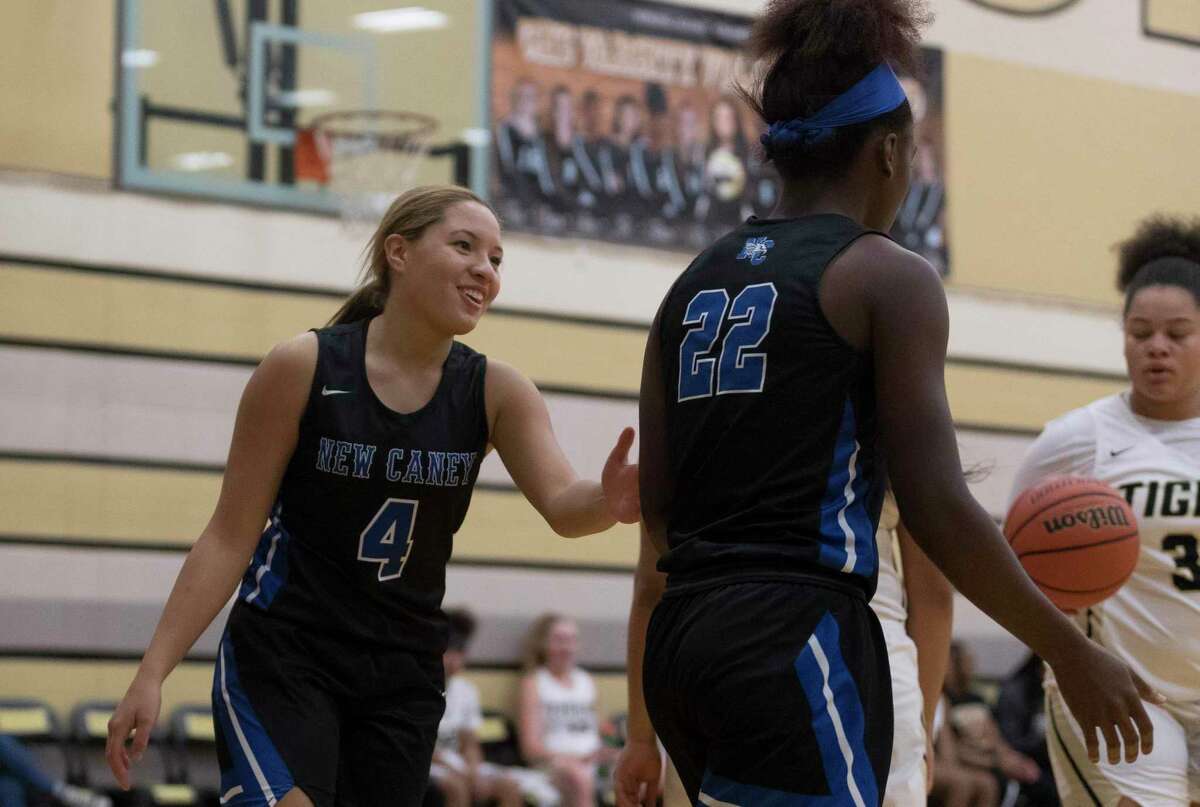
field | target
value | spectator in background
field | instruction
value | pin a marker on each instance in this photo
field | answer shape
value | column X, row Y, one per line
column 1021, row 716
column 920, row 222
column 521, row 149
column 562, row 153
column 458, row 771
column 21, row 780
column 624, row 165
column 978, row 744
column 690, row 153
column 558, row 725
column 590, row 144
column 955, row 782
column 725, row 168
column 659, row 189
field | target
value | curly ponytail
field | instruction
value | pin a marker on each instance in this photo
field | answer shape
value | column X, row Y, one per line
column 814, row 50
column 1164, row 251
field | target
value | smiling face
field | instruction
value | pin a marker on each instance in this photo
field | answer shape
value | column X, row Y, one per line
column 1162, row 352
column 450, row 275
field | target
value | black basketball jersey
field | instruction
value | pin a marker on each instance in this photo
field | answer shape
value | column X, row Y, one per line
column 361, row 532
column 770, row 414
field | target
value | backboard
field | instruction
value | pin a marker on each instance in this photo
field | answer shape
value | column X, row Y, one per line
column 210, row 95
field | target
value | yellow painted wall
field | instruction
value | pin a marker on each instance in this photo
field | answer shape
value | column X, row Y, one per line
column 1049, row 170
column 56, row 79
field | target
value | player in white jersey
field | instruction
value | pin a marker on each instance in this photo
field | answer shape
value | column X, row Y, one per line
column 914, row 603
column 1145, row 442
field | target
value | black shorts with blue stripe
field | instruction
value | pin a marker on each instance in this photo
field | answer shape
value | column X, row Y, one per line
column 771, row 692
column 347, row 724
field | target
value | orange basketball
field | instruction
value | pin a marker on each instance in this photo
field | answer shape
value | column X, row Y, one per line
column 1077, row 538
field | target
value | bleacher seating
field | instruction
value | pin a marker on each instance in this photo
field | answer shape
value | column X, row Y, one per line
column 34, row 723
column 152, row 779
column 193, row 744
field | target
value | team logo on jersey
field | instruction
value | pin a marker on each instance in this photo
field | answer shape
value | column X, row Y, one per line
column 756, row 250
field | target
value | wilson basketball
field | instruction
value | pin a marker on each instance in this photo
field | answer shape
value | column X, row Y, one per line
column 1077, row 538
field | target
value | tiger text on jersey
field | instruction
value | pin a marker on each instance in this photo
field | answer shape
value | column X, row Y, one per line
column 1170, row 499
column 412, row 466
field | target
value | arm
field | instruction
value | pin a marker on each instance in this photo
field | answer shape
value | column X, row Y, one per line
column 264, row 438
column 639, row 769
column 529, row 722
column 472, row 751
column 522, row 433
column 930, row 619
column 468, row 737
column 908, row 330
column 930, row 622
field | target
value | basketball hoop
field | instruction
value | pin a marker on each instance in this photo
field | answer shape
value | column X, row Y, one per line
column 367, row 158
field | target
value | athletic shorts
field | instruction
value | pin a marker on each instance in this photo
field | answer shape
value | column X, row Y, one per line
column 1167, row 777
column 771, row 692
column 906, row 776
column 348, row 725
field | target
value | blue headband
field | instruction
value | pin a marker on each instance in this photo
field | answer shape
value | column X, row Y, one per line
column 878, row 93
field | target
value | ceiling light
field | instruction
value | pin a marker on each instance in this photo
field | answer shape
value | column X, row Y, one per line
column 307, row 98
column 411, row 18
column 476, row 137
column 202, row 160
column 139, row 58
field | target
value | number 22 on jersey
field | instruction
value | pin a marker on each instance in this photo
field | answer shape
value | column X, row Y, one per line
column 736, row 368
column 388, row 538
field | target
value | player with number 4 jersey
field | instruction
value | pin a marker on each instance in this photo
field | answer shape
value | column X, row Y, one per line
column 1144, row 442
column 359, row 445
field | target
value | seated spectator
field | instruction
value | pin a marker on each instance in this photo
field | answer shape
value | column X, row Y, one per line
column 955, row 782
column 1021, row 716
column 559, row 729
column 21, row 779
column 978, row 746
column 459, row 772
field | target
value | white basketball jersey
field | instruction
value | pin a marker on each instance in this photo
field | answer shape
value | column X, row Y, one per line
column 1153, row 621
column 569, row 724
column 889, row 601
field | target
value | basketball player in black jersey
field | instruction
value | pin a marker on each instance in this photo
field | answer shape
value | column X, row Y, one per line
column 787, row 362
column 359, row 445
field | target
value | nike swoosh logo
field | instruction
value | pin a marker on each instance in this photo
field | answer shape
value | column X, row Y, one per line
column 326, row 391
column 1118, row 452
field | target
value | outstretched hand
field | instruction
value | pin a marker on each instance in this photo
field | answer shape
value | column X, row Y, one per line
column 620, row 481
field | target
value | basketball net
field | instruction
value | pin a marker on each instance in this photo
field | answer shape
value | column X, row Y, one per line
column 365, row 158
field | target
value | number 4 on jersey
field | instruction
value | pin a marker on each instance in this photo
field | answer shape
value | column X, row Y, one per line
column 388, row 538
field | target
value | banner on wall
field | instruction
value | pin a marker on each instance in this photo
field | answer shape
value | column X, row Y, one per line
column 618, row 120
